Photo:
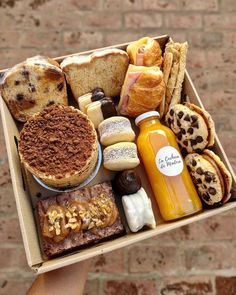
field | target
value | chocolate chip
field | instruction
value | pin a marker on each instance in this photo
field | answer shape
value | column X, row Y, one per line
column 194, row 162
column 193, row 142
column 198, row 151
column 199, row 139
column 195, row 125
column 169, row 121
column 179, row 136
column 185, row 142
column 17, row 82
column 190, row 130
column 39, row 195
column 194, row 118
column 25, row 73
column 206, row 197
column 180, row 114
column 199, row 171
column 187, row 118
column 184, row 151
column 182, row 130
column 60, row 86
column 178, row 123
column 19, row 96
column 171, row 112
column 51, row 102
column 199, row 180
column 212, row 191
column 32, row 88
column 208, row 178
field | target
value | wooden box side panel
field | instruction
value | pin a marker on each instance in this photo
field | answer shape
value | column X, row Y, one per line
column 23, row 203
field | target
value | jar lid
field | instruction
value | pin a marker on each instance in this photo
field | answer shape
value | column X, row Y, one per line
column 145, row 116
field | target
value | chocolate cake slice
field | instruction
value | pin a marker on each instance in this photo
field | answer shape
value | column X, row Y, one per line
column 79, row 218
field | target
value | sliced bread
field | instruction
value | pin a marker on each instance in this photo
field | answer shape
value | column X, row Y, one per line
column 105, row 69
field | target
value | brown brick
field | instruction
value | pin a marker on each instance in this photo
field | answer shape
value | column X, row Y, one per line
column 228, row 141
column 229, row 5
column 210, row 5
column 143, row 20
column 9, row 39
column 209, row 256
column 7, row 200
column 199, row 78
column 222, row 99
column 188, row 285
column 132, row 5
column 129, row 287
column 230, row 39
column 211, row 229
column 40, row 39
column 5, row 178
column 10, row 230
column 121, row 37
column 221, row 57
column 211, row 21
column 154, row 258
column 225, row 121
column 113, row 5
column 110, row 263
column 196, row 58
column 222, row 77
column 78, row 40
column 87, row 4
column 11, row 287
column 13, row 257
column 91, row 287
column 225, row 286
column 161, row 5
column 205, row 40
column 102, row 20
column 183, row 21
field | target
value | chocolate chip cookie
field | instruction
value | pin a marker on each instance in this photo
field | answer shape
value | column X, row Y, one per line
column 193, row 127
column 210, row 176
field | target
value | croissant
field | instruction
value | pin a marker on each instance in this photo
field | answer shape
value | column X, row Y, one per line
column 145, row 52
column 142, row 90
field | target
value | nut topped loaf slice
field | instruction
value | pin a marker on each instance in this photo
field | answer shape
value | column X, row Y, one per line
column 105, row 69
column 32, row 85
column 83, row 217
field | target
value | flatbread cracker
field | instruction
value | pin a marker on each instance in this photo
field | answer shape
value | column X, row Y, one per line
column 167, row 64
column 180, row 77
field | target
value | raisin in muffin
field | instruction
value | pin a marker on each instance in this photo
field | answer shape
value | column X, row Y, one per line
column 32, row 85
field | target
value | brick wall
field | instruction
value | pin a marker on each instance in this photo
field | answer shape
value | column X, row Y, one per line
column 196, row 259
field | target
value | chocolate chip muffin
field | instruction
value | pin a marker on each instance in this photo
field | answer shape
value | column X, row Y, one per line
column 32, row 85
column 59, row 146
column 210, row 176
column 193, row 127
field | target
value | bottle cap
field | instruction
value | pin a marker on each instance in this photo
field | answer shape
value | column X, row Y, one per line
column 145, row 116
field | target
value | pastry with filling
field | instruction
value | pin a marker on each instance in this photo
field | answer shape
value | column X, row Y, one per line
column 142, row 91
column 59, row 146
column 145, row 52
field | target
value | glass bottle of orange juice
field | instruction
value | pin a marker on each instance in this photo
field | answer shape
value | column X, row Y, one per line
column 171, row 183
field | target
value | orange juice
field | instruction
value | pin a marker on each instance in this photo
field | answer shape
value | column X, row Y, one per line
column 168, row 175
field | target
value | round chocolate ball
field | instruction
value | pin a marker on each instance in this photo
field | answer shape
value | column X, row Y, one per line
column 127, row 182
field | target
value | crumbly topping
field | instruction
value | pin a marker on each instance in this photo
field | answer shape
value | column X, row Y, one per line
column 57, row 141
column 115, row 153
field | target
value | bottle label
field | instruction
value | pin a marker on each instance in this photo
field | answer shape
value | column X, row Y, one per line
column 169, row 161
